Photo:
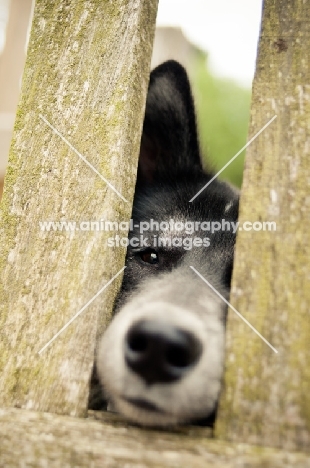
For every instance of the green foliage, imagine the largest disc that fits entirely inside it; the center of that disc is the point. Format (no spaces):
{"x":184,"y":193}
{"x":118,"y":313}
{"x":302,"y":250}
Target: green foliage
{"x":223,"y":110}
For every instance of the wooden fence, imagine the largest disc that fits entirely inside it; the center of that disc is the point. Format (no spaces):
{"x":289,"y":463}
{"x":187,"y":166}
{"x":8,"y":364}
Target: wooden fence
{"x":83,"y":96}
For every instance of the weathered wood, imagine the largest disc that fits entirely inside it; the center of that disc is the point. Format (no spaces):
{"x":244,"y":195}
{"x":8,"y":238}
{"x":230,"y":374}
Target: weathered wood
{"x":54,"y":441}
{"x":267,"y":396}
{"x":86,"y":73}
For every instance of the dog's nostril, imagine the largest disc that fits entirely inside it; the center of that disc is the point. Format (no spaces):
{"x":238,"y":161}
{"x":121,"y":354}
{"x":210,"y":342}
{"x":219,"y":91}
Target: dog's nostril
{"x":160,"y":352}
{"x":137,"y":342}
{"x":178,"y":356}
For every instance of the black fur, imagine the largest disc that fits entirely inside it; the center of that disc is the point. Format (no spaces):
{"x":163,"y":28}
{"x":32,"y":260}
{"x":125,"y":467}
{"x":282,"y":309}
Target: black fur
{"x":170,"y":173}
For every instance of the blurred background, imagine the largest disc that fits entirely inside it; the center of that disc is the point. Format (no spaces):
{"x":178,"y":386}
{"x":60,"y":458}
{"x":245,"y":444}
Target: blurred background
{"x":215,"y":40}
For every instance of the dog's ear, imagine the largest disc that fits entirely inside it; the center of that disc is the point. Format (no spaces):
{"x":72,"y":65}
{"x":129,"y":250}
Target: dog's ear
{"x":169,"y":141}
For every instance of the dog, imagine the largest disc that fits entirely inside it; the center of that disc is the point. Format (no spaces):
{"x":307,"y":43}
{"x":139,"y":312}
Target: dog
{"x":161,"y":360}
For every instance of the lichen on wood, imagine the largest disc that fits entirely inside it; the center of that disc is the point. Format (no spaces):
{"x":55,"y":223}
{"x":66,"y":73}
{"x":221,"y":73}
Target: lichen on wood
{"x":106,"y":441}
{"x":267,"y":395}
{"x":86,"y":73}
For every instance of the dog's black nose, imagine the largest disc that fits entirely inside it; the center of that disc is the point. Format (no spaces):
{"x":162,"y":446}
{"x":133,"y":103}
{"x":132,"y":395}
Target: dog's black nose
{"x":159,"y":352}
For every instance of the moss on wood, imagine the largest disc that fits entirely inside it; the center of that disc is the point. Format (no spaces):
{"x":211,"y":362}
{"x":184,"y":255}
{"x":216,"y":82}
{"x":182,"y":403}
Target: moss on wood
{"x":267,"y":395}
{"x":87,"y":73}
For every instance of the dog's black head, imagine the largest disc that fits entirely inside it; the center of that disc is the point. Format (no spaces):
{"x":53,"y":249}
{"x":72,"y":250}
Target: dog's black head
{"x":161,"y":360}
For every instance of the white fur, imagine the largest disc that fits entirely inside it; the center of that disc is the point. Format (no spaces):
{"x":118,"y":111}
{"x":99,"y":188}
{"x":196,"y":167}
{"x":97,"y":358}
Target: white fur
{"x":195,"y":395}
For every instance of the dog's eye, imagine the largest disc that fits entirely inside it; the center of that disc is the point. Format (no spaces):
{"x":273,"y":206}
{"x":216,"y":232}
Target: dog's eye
{"x":149,"y":256}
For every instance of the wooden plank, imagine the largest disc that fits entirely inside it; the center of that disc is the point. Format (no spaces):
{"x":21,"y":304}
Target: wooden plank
{"x":36,"y":440}
{"x":86,"y":75}
{"x":267,"y":395}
